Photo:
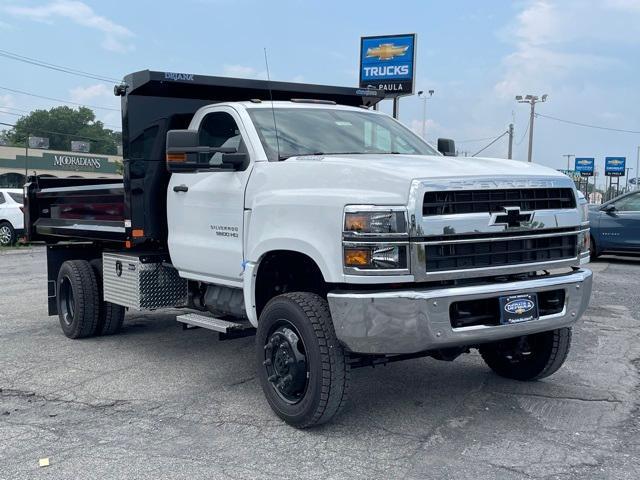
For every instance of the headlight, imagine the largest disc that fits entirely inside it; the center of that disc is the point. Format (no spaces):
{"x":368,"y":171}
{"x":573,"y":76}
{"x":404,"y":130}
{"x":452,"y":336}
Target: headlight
{"x":375,"y":240}
{"x":380,"y":256}
{"x":584,"y":241}
{"x":373,"y":220}
{"x":585,"y":212}
{"x":583,"y":207}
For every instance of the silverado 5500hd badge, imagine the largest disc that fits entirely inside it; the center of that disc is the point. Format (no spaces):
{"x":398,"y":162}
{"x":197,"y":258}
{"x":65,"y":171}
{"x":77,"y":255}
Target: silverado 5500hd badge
{"x":225,"y":230}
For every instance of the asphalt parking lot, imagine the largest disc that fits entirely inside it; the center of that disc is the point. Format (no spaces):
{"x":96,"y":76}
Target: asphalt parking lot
{"x":158,"y":402}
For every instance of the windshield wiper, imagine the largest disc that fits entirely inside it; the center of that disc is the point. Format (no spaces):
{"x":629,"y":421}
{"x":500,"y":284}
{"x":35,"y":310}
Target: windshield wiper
{"x":284,"y":157}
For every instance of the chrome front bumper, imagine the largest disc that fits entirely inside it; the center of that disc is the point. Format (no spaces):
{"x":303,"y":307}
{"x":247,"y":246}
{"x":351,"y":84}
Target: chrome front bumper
{"x":409,"y":321}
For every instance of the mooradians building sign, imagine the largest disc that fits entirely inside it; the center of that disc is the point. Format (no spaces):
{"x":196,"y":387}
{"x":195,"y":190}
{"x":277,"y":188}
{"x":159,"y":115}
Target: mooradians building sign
{"x":74,"y":161}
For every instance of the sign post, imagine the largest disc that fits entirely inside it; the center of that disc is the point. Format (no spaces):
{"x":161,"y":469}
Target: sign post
{"x":584,"y":166}
{"x":614,"y":168}
{"x":387,"y":62}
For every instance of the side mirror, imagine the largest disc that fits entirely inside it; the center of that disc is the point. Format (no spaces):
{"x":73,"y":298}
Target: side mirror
{"x":182,"y":150}
{"x":236,"y":160}
{"x":182,"y":140}
{"x":447,"y":147}
{"x":185,"y":154}
{"x":609,"y":208}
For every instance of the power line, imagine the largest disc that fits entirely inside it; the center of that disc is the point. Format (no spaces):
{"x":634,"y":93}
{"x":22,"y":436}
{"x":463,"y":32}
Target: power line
{"x":57,"y":99}
{"x":524,"y":134}
{"x":13,"y":108}
{"x":494,"y":141}
{"x":3,"y":107}
{"x":39,"y":130}
{"x":586,"y":124}
{"x":59,"y":68}
{"x":476,"y":139}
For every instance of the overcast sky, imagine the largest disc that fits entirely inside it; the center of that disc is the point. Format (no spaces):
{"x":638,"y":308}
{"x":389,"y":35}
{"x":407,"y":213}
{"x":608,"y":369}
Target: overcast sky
{"x":585,"y":54}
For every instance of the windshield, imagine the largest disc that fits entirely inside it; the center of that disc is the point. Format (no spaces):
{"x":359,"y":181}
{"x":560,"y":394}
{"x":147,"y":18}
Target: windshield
{"x":318,"y":131}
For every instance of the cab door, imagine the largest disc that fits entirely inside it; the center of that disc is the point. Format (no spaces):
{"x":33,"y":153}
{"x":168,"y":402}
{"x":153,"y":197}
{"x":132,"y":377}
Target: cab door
{"x":205,"y":210}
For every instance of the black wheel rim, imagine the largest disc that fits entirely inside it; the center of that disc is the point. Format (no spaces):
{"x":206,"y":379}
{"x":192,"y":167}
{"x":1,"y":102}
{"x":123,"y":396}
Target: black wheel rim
{"x":285,"y":362}
{"x":66,"y":301}
{"x":523,"y":349}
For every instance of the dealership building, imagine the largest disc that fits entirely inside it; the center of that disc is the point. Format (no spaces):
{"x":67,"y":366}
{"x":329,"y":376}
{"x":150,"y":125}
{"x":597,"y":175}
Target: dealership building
{"x":15,"y":161}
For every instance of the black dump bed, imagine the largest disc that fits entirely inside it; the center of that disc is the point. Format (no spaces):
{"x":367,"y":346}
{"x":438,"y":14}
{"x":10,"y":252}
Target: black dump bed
{"x":152,"y":103}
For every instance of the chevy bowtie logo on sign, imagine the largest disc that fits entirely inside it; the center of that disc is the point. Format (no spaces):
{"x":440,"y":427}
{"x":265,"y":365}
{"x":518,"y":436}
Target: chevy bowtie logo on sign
{"x":387,"y":63}
{"x":614,"y":166}
{"x":585,"y":166}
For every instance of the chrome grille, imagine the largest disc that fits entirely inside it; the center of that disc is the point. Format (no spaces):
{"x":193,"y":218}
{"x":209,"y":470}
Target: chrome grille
{"x":460,"y":255}
{"x":453,"y":202}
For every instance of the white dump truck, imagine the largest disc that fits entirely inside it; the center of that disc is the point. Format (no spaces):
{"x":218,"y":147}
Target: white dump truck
{"x":329,"y":230}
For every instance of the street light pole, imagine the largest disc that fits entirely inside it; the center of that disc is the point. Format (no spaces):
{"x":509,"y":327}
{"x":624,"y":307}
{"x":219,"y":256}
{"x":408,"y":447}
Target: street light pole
{"x":531,"y":100}
{"x":423,"y":96}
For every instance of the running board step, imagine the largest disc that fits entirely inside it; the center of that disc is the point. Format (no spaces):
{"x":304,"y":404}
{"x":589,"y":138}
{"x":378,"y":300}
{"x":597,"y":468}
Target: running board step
{"x":225,"y":328}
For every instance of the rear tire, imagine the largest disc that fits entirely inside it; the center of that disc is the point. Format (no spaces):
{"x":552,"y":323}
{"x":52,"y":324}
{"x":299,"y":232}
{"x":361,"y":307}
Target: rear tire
{"x":78,"y":299}
{"x":528,"y":358}
{"x":111,"y":316}
{"x":302,"y":367}
{"x":7,"y":234}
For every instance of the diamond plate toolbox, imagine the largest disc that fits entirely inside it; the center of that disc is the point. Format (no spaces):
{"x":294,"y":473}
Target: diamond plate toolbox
{"x":142,"y":281}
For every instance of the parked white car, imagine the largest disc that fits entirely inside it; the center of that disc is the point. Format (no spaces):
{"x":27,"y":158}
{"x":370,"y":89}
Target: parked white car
{"x":11,"y":216}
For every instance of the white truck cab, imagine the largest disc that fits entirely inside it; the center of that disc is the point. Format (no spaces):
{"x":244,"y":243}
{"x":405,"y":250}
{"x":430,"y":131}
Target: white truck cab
{"x":332,"y":231}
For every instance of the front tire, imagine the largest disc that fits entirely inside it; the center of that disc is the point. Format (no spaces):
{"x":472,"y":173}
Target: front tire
{"x":531,"y":357}
{"x":78,"y":299}
{"x":7,"y":234}
{"x":593,"y":249}
{"x":302,"y":367}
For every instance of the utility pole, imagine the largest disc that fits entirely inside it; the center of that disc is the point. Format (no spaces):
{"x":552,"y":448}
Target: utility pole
{"x":568,"y":155}
{"x":638,"y":170}
{"x":510,"y":153}
{"x":423,"y":96}
{"x":531,"y":100}
{"x":26,"y":157}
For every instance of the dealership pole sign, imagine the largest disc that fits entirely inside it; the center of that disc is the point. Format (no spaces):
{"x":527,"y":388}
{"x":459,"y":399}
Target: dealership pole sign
{"x":585,"y":166}
{"x":614,"y":166}
{"x":388,"y":63}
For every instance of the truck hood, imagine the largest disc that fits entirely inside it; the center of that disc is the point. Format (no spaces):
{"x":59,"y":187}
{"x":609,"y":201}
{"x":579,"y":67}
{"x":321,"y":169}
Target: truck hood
{"x":391,"y":175}
{"x":377,"y":179}
{"x":410,"y":167}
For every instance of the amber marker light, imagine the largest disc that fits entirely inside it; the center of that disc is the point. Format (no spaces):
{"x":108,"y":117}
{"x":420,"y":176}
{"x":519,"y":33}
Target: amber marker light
{"x":176,"y":157}
{"x":357,"y":257}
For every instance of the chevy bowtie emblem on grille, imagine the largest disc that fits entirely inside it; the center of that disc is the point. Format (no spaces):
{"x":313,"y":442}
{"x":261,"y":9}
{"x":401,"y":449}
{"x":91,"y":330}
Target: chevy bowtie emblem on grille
{"x":511,"y":218}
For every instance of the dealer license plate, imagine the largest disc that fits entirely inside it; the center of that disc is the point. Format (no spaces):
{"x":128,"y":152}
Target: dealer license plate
{"x":518,"y":308}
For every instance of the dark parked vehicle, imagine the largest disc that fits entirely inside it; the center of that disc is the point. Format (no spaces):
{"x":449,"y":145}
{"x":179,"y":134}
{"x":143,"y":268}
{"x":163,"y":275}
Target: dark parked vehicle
{"x":615,"y":225}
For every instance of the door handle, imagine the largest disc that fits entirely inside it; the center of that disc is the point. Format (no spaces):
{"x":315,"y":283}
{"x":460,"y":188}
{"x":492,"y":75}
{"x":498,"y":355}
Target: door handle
{"x":180,"y":188}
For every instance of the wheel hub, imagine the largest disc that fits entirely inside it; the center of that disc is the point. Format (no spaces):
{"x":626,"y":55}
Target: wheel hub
{"x":67,"y":302}
{"x":5,"y":235}
{"x":286,"y":364}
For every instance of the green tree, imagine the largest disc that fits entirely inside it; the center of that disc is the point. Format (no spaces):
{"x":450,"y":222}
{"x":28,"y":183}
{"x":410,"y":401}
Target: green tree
{"x":62,"y":125}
